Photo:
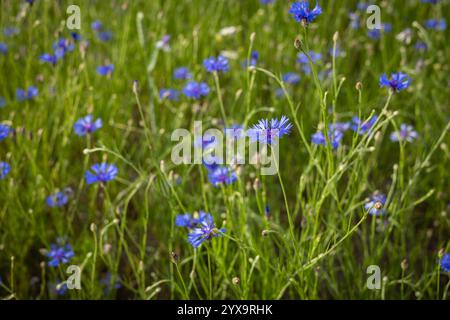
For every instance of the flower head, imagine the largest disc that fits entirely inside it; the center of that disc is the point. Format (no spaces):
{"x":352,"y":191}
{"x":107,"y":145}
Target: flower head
{"x":269,"y":132}
{"x":301,"y":12}
{"x":221,"y":175}
{"x":335,"y":137}
{"x":105,"y":70}
{"x":375,"y":204}
{"x":304,"y":62}
{"x":164,"y":44}
{"x":399,"y":81}
{"x":28,"y":94}
{"x":4,"y":131}
{"x":5,"y":168}
{"x":406,"y":133}
{"x":170,"y":94}
{"x":182,"y":73}
{"x":254,"y":56}
{"x":59,"y":198}
{"x":195,"y":90}
{"x":101,"y":172}
{"x":445,"y":262}
{"x":189,"y":221}
{"x":291,"y":78}
{"x":59,"y":254}
{"x":87,"y":125}
{"x":219,"y":64}
{"x":438,"y":25}
{"x":3,"y":48}
{"x":363,"y":127}
{"x":205,"y":231}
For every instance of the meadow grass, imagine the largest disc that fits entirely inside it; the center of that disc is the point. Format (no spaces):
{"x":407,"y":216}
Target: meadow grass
{"x":317,"y":240}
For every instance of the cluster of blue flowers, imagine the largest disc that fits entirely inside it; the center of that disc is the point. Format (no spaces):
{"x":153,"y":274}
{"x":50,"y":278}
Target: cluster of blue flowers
{"x":102,"y":33}
{"x":201,"y":227}
{"x":60,"y":49}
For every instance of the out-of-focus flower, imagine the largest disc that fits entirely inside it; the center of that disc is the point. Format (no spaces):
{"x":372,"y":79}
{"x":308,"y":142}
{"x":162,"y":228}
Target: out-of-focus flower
{"x":182,"y":73}
{"x":438,"y":25}
{"x":195,"y":90}
{"x":5,"y":168}
{"x":363,"y":127}
{"x":291,"y":78}
{"x":27,"y":94}
{"x":169,"y":94}
{"x":406,"y":133}
{"x":105,"y":70}
{"x":375,"y":204}
{"x":164,"y":44}
{"x":219,"y":64}
{"x":59,"y":198}
{"x":4,"y":131}
{"x":335,"y":137}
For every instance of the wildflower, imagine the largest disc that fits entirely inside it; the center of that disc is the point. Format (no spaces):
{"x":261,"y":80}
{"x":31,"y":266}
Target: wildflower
{"x":163,"y":44}
{"x":354,"y":20}
{"x":254,"y":56}
{"x":222,"y":175}
{"x":182,"y":73}
{"x":5,"y":168}
{"x":2,"y":102}
{"x":10,"y":31}
{"x":58,"y":288}
{"x":219,"y":64}
{"x":62,"y":46}
{"x":195,"y":90}
{"x":374,"y":34}
{"x":304,"y":62}
{"x":375,"y":204}
{"x":205,"y":142}
{"x":59,"y":254}
{"x":105,"y":35}
{"x":362,"y":6}
{"x":301,"y":12}
{"x":170,"y":94}
{"x":59,"y":199}
{"x":291,"y":78}
{"x":406,"y":133}
{"x":76,"y":36}
{"x":105,"y":70}
{"x":4,"y":131}
{"x":266,"y":1}
{"x":46,"y":57}
{"x":191,"y":221}
{"x":101,"y":172}
{"x":205,"y":231}
{"x":445,"y":262}
{"x":335,"y":137}
{"x":398,"y":82}
{"x":364,"y":127}
{"x":340,"y":126}
{"x":420,"y":46}
{"x":107,"y":284}
{"x":269,"y":132}
{"x":96,"y":25}
{"x":28,"y":94}
{"x":433,"y":24}
{"x":87,"y":125}
{"x":3,"y":48}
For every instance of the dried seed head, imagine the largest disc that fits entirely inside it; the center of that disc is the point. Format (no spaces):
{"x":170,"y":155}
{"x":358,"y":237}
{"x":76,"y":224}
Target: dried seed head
{"x":236,"y":281}
{"x":265,"y":233}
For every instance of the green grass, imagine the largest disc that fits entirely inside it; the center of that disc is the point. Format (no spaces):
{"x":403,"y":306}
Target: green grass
{"x":318,"y":241}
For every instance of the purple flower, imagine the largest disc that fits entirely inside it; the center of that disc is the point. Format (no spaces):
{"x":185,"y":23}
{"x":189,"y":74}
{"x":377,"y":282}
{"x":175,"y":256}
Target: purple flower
{"x":354,"y":20}
{"x":406,"y":133}
{"x":182,"y":73}
{"x":303,"y":60}
{"x":375,"y":204}
{"x":96,"y":25}
{"x":399,"y":81}
{"x":101,"y":172}
{"x":253,"y":60}
{"x":163,"y":44}
{"x":222,"y":175}
{"x":3,"y":48}
{"x":105,"y":70}
{"x":364,"y":127}
{"x":269,"y":132}
{"x":59,"y":199}
{"x":170,"y":94}
{"x":87,"y":125}
{"x":189,"y":221}
{"x":291,"y":78}
{"x":205,"y":231}
{"x":60,"y":254}
{"x":195,"y":90}
{"x":4,"y":131}
{"x":335,"y":137}
{"x":219,"y":64}
{"x":5,"y":168}
{"x":301,"y":12}
{"x":28,"y":94}
{"x":433,"y":24}
{"x":445,"y":262}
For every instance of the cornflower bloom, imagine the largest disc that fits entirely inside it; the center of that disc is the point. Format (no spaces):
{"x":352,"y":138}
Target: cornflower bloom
{"x":375,"y":204}
{"x":399,"y":81}
{"x":269,"y":132}
{"x":302,"y":13}
{"x":101,"y":172}
{"x":60,"y":254}
{"x":219,"y":64}
{"x":205,"y":231}
{"x":406,"y":133}
{"x":195,"y":90}
{"x":87,"y":125}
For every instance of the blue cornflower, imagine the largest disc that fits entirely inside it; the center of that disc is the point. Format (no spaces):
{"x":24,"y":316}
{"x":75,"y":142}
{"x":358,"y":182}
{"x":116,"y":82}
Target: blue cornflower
{"x":433,"y":24}
{"x":96,"y":25}
{"x":76,"y":36}
{"x":269,"y":132}
{"x":62,"y":46}
{"x":106,"y":283}
{"x":375,"y":204}
{"x":59,"y":198}
{"x":50,"y":58}
{"x":164,"y":44}
{"x":291,"y":78}
{"x":221,"y":175}
{"x":399,"y":81}
{"x":266,"y":1}
{"x":335,"y":137}
{"x":364,"y":127}
{"x":189,"y":221}
{"x":420,"y":46}
{"x":101,"y":172}
{"x":340,"y":126}
{"x":219,"y":64}
{"x":374,"y":34}
{"x":105,"y":70}
{"x":105,"y":35}
{"x":59,"y":254}
{"x":28,"y":94}
{"x":445,"y":262}
{"x":5,"y":168}
{"x":354,"y":20}
{"x":87,"y":125}
{"x":205,"y":142}
{"x":195,"y":90}
{"x":182,"y":73}
{"x":170,"y":94}
{"x":3,"y":48}
{"x":204,"y":232}
{"x":2,"y":102}
{"x":362,"y":6}
{"x":10,"y":31}
{"x":4,"y":131}
{"x":303,"y":60}
{"x":301,"y":12}
{"x":406,"y":133}
{"x":254,"y":56}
